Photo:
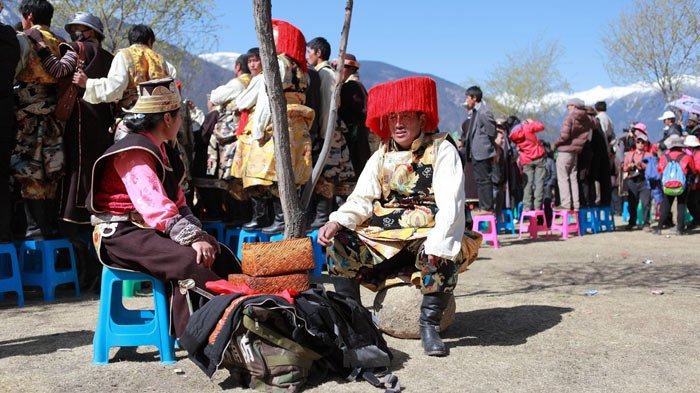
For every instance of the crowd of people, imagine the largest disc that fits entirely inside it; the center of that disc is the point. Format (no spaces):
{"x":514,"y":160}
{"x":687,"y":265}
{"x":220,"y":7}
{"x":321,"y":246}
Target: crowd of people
{"x":507,"y":164}
{"x":94,"y":139}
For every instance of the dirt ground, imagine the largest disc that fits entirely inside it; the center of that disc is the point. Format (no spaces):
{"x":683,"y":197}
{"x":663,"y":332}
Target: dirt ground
{"x":523,"y":324}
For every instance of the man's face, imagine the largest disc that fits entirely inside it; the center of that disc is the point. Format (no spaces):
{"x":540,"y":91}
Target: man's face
{"x":471,"y":102}
{"x":570,"y":108}
{"x":347,"y":71}
{"x":691,"y":123}
{"x":254,"y":64}
{"x":405,"y":127}
{"x":313,"y":56}
{"x":77,"y":31}
{"x":668,"y":122}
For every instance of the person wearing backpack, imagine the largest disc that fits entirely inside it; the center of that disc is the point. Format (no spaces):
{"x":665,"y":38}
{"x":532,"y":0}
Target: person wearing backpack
{"x":633,"y":167}
{"x":674,"y":166}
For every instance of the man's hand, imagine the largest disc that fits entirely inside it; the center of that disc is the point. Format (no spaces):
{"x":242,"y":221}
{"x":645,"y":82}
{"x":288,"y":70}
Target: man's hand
{"x":34,"y":36}
{"x":80,"y":79}
{"x":327,"y":232}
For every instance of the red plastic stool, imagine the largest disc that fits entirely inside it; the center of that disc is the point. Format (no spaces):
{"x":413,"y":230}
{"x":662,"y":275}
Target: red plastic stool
{"x":531,"y":226}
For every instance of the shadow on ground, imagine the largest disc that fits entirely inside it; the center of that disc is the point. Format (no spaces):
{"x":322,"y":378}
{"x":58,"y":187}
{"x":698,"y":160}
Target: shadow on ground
{"x":603,"y":274}
{"x":502,"y":326}
{"x":39,"y":345}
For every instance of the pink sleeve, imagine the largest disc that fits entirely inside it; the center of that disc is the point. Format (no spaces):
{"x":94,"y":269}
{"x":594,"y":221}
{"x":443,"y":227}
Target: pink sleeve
{"x":136,"y":168}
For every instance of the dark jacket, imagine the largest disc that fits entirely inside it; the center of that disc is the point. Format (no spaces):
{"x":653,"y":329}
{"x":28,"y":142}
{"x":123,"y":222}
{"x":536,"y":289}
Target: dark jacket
{"x":574,"y":131}
{"x":479,"y":133}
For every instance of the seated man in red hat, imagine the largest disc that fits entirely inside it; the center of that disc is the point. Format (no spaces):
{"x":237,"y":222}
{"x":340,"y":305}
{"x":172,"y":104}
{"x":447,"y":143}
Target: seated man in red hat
{"x":406,"y":214}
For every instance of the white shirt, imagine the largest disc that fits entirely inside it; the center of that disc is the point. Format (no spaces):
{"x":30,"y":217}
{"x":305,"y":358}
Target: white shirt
{"x":327,"y":76}
{"x":111,"y":88}
{"x":445,"y":239}
{"x":227,"y":92}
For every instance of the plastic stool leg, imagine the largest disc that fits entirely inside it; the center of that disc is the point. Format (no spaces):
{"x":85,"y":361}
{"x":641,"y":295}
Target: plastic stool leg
{"x":100,"y":346}
{"x":167,"y":344}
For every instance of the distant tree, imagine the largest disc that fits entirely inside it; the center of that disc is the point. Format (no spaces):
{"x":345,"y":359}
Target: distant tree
{"x":656,"y":41}
{"x":185,"y":24}
{"x":518,"y":86}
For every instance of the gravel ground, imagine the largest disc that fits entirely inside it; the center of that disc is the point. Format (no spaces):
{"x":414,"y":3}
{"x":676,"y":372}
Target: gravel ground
{"x":523,"y":324}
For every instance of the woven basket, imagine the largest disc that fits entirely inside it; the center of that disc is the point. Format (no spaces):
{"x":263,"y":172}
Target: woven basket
{"x":263,"y":259}
{"x":272,"y":284}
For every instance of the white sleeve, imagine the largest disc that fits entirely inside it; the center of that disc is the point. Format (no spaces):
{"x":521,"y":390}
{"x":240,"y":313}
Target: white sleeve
{"x":445,"y":239}
{"x":327,"y":87}
{"x":249,"y":97}
{"x":358,"y":207}
{"x":172,"y":72}
{"x":227,"y":92}
{"x":111,"y":88}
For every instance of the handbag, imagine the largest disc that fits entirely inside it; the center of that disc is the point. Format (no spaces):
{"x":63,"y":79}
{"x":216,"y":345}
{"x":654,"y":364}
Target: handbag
{"x":64,"y":107}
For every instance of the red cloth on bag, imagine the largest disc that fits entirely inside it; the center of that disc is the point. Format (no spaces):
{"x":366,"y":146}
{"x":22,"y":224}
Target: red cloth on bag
{"x":225,"y":287}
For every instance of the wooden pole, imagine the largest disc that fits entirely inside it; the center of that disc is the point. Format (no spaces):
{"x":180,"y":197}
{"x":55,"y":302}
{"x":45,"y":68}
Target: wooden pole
{"x":330,"y":128}
{"x":294,"y":216}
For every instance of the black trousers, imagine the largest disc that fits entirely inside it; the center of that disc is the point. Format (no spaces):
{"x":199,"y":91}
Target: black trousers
{"x":7,"y":141}
{"x":483,"y":172}
{"x":638,"y":191}
{"x":694,"y":205}
{"x":680,"y":210}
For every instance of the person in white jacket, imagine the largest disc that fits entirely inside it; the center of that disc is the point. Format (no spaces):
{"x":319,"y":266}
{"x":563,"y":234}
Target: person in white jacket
{"x":406,"y":216}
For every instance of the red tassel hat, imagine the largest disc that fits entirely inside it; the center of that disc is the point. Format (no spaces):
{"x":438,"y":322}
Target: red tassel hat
{"x":417,"y":94}
{"x":290,"y":41}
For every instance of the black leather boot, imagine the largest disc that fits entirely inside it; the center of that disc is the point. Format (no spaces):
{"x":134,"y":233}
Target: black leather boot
{"x":347,"y":287}
{"x":323,"y":210}
{"x":430,"y":315}
{"x":259,"y":214}
{"x":277,"y":225}
{"x":41,"y":219}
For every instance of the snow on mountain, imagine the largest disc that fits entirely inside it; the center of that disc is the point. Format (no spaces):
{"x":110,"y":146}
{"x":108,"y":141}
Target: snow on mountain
{"x":222,"y":59}
{"x":638,"y":102}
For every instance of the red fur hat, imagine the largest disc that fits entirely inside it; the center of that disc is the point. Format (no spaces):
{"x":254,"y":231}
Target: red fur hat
{"x":417,"y":93}
{"x":290,"y":41}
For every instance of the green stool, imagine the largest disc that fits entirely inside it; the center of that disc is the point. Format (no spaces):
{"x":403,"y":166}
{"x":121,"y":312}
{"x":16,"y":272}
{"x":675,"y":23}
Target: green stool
{"x":129,"y":287}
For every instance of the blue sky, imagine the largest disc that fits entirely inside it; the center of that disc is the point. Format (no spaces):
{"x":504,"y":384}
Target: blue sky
{"x":457,"y":40}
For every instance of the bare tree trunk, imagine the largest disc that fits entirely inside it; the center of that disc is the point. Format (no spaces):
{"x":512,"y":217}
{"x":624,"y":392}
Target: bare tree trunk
{"x":330,"y":128}
{"x":294,"y":216}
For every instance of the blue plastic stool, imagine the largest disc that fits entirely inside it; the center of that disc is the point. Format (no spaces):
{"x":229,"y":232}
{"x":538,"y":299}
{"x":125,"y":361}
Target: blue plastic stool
{"x":588,"y":219}
{"x":216,"y":229}
{"x":47,"y":277}
{"x":230,"y":235}
{"x":13,"y":282}
{"x":319,"y":256}
{"x":250,"y":236}
{"x":606,"y":221}
{"x":625,"y":212}
{"x":505,"y":221}
{"x":119,"y":327}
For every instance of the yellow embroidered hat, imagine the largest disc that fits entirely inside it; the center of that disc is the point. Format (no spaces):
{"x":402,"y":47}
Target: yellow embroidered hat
{"x":157,"y":96}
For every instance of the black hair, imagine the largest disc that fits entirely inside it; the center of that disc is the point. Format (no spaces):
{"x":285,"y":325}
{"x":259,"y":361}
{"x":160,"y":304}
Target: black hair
{"x":511,"y":122}
{"x":320,"y":44}
{"x":41,"y":10}
{"x":601,"y":106}
{"x":141,"y":34}
{"x":139,"y":122}
{"x":475,"y":91}
{"x":253,"y":52}
{"x":242,"y":62}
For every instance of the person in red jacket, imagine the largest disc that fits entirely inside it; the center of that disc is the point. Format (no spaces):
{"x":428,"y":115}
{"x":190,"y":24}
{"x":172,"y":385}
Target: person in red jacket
{"x":532,"y":160}
{"x":675,"y":152}
{"x":693,"y":145}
